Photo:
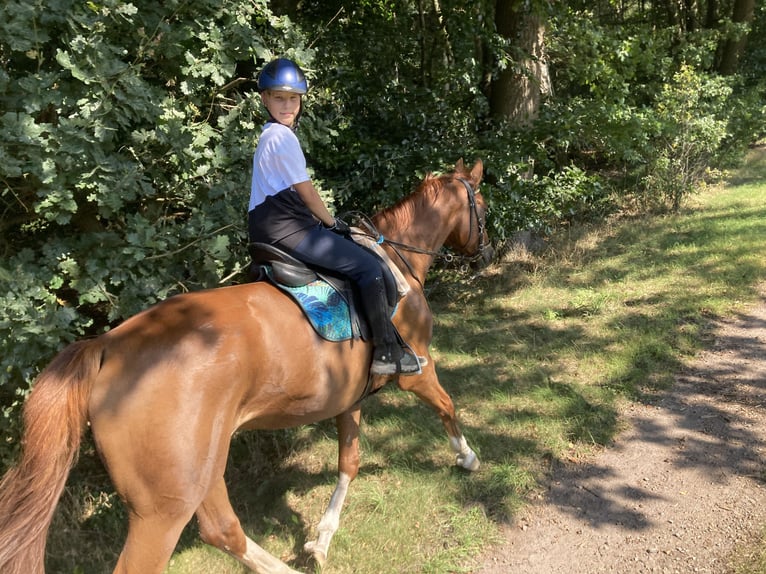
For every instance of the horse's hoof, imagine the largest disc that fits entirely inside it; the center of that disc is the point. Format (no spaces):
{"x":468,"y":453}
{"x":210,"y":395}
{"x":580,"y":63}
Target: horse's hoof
{"x":320,"y":556}
{"x":469,"y":462}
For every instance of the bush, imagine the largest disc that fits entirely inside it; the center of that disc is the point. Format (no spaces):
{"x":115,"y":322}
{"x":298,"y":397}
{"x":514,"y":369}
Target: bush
{"x":691,"y":119}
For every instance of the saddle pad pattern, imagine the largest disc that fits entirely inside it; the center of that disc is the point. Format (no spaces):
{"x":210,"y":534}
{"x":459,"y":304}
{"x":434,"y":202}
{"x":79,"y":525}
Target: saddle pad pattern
{"x":325,"y":308}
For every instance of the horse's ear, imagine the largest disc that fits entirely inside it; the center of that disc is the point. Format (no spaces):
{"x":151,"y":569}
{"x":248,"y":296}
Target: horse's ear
{"x":459,"y":166}
{"x":477,"y":171}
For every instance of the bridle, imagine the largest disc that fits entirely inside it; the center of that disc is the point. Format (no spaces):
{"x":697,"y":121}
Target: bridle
{"x":447,"y":257}
{"x":479,"y":222}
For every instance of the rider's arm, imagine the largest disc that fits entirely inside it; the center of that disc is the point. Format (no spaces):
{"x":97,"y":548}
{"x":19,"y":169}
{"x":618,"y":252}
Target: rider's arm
{"x":311,"y":198}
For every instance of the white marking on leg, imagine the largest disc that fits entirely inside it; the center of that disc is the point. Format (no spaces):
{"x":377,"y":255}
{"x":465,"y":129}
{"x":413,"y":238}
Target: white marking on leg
{"x":257,"y":559}
{"x":465,"y":456}
{"x":330,"y":520}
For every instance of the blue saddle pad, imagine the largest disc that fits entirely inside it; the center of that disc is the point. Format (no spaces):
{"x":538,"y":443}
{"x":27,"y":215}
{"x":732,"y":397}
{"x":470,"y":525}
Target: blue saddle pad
{"x":326,"y":309}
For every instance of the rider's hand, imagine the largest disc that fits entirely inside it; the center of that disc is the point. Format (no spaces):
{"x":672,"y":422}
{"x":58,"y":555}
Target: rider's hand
{"x":340,"y":227}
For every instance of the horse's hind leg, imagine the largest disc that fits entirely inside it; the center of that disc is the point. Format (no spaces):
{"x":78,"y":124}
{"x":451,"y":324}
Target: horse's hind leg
{"x":150,"y":543}
{"x":159,"y":503}
{"x":428,"y":389}
{"x":220,"y":527}
{"x":348,"y":468}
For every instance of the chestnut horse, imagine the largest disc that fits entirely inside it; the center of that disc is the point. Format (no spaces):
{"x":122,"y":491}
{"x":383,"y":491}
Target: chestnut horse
{"x":165,"y":391}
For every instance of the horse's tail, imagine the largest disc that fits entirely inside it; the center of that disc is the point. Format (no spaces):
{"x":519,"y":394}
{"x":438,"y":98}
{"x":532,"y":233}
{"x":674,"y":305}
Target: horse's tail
{"x":54,"y":419}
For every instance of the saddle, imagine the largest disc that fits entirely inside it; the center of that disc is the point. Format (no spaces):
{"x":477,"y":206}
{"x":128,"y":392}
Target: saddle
{"x":328,"y":300}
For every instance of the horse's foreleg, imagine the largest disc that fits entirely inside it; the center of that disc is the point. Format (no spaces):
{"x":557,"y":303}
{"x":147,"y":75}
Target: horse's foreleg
{"x":348,"y":468}
{"x":464,"y":454}
{"x":220,"y":527}
{"x":428,"y":389}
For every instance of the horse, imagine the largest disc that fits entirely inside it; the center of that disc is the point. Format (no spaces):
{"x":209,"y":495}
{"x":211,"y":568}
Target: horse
{"x":165,"y":391}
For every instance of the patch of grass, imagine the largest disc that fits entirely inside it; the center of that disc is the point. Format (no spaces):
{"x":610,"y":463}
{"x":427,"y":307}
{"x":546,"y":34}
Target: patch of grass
{"x":540,"y":355}
{"x":750,"y":559}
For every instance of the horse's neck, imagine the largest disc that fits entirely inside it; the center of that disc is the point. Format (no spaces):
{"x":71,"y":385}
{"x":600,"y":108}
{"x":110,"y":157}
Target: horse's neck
{"x":418,"y":232}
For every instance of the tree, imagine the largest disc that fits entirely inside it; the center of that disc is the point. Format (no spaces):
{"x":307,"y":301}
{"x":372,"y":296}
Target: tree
{"x":523,"y":78}
{"x":735,"y":41}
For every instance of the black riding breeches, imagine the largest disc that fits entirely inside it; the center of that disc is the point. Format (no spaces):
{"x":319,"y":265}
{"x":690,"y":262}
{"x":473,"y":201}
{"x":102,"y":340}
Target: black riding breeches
{"x":326,"y":249}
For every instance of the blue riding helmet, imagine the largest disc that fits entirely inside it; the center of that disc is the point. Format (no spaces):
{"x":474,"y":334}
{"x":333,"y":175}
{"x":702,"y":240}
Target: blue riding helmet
{"x":283,"y":75}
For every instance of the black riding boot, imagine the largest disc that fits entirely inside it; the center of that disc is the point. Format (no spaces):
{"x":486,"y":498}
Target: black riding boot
{"x":389,"y":356}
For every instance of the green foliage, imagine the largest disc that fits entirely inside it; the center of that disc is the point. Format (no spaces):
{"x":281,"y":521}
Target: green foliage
{"x":690,"y":119}
{"x":753,"y":67}
{"x":396,"y":108}
{"x":610,"y":74}
{"x":526,"y":197}
{"x":643,"y":105}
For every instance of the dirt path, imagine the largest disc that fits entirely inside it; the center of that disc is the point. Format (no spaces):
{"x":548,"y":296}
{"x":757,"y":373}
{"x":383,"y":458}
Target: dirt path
{"x":677,"y":493}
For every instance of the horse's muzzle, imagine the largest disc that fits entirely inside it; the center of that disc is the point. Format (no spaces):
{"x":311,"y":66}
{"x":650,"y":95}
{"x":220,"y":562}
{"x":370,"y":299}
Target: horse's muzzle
{"x":484,"y":257}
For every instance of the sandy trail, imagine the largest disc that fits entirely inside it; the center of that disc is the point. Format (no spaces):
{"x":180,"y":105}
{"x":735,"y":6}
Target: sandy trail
{"x":679,"y":492}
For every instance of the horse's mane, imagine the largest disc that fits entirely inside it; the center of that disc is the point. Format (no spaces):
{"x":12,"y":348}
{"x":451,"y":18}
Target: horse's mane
{"x":426,"y":193}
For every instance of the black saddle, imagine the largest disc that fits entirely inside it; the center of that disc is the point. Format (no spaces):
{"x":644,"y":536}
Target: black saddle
{"x":292,"y":272}
{"x":286,"y":269}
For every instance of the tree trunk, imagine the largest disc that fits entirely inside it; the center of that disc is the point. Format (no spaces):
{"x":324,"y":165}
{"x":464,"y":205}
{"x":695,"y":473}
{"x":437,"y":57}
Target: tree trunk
{"x":711,"y":15}
{"x":691,"y":9}
{"x":518,"y":90}
{"x":734,"y":45}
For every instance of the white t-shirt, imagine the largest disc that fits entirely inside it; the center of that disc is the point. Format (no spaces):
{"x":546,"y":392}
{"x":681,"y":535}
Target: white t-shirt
{"x":278,"y":163}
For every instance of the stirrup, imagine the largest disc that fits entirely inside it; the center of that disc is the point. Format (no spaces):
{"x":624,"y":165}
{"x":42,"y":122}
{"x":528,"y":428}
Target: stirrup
{"x":408,"y":364}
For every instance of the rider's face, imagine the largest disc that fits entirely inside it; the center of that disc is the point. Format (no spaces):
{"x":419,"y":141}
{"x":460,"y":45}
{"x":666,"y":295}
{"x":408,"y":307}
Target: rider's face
{"x":283,"y":106}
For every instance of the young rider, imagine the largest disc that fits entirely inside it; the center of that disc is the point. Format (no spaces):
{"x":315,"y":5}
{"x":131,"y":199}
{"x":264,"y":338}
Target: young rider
{"x":286,"y":211}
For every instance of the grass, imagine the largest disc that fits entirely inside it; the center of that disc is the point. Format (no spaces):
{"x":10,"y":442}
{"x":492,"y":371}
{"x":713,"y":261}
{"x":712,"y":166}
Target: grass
{"x":751,"y":559}
{"x":540,"y":354}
